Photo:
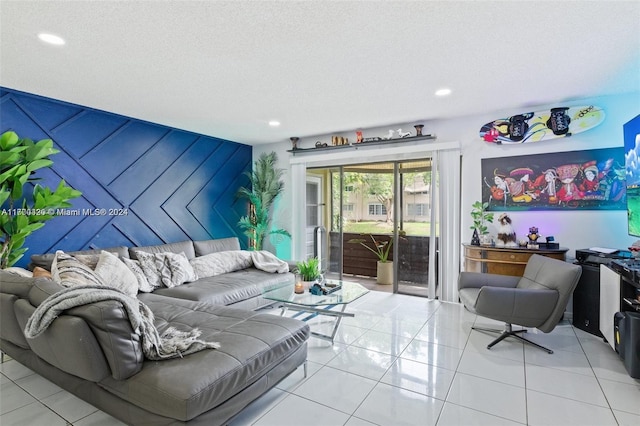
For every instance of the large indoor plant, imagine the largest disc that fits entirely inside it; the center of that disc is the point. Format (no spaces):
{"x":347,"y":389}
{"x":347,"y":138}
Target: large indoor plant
{"x":381,"y":249}
{"x":480,"y":218}
{"x":22,"y":212}
{"x":266,"y":185}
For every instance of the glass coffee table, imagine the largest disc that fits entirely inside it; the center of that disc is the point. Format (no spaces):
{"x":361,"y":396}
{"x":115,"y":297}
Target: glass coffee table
{"x":312,"y":305}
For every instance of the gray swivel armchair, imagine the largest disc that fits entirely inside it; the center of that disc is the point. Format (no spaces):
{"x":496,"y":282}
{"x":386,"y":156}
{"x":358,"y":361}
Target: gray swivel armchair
{"x":537,"y":299}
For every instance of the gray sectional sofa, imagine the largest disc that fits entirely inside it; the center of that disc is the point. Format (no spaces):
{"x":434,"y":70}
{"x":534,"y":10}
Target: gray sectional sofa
{"x":93,"y":352}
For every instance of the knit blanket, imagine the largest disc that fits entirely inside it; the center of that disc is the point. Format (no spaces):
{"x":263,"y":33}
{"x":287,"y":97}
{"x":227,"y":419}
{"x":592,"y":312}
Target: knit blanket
{"x":172,"y":343}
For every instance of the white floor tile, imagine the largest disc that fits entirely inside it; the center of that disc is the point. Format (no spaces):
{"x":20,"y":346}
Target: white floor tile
{"x":69,"y":406}
{"x":322,"y":351}
{"x":622,"y":396}
{"x":444,"y":336}
{"x":492,"y":367}
{"x":259,"y":408}
{"x":378,"y":341}
{"x":355,"y":421}
{"x":560,"y":339}
{"x":572,"y":362}
{"x":14,"y":370}
{"x":456,"y":415}
{"x":430,"y":353}
{"x":389,"y":405}
{"x":336,"y":389}
{"x":99,"y":418}
{"x":609,"y":366}
{"x":488,"y":396}
{"x":13,"y":397}
{"x":398,"y":327}
{"x":418,"y":377}
{"x":508,"y":348}
{"x":297,"y":378}
{"x":626,"y":419}
{"x":38,"y":386}
{"x":298,"y":411}
{"x":561,"y":383}
{"x":544,"y":409}
{"x":32,"y":414}
{"x":363,"y":362}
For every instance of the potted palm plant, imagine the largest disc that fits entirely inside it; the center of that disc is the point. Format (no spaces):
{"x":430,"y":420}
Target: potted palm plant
{"x":22,"y":212}
{"x":266,"y":185}
{"x":381,"y":249}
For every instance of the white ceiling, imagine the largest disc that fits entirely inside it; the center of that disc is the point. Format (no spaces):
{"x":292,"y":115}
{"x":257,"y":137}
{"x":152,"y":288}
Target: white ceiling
{"x":226,"y":68}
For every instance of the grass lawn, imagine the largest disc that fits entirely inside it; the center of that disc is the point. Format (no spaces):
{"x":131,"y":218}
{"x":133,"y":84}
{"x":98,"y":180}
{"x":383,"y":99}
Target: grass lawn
{"x":411,"y":228}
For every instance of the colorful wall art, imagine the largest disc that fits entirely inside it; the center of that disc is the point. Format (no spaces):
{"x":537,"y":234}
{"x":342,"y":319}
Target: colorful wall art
{"x":585,"y":180}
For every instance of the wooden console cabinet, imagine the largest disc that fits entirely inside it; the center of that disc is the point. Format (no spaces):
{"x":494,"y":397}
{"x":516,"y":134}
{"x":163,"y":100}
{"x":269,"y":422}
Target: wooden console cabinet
{"x":504,"y":261}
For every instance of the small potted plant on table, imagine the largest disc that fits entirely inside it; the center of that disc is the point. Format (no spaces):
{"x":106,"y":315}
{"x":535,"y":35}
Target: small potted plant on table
{"x":309,"y":271}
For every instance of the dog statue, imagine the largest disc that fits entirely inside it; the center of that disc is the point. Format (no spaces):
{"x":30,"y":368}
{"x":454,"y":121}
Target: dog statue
{"x":390,"y":134}
{"x":402,"y":134}
{"x":506,"y":233}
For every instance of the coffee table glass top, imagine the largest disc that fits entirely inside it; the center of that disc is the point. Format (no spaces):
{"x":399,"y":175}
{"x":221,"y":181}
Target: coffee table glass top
{"x":349,"y":292}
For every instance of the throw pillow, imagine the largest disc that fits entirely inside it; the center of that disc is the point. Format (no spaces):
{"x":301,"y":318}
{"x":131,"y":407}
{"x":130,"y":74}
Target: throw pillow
{"x":70,"y":272}
{"x":148,"y":264}
{"x":19,"y":271}
{"x":220,"y":263}
{"x":174,"y":269}
{"x":116,"y":274}
{"x":39,"y":272}
{"x":143,"y":283}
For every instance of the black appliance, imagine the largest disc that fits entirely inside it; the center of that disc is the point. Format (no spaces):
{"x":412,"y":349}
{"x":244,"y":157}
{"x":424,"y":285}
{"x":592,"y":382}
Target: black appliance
{"x":586,"y":296}
{"x":627,"y":341}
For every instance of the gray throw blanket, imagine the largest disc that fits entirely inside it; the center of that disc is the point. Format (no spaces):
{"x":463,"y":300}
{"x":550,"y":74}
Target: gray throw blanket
{"x":172,"y":343}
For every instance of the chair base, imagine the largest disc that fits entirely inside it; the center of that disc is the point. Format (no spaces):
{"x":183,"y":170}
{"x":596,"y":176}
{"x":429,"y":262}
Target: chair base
{"x":509,"y":332}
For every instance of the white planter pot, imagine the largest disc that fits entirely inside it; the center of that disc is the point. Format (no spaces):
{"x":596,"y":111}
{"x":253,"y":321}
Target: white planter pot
{"x":385,"y":273}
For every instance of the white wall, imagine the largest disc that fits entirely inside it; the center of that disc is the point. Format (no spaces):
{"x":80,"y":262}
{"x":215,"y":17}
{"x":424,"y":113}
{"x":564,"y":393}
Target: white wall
{"x":572,"y":229}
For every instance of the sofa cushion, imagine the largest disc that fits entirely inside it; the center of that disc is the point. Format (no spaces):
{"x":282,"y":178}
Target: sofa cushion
{"x":229,"y":288}
{"x":251,"y":344}
{"x":45,"y":260}
{"x":185,"y":247}
{"x":143,"y":283}
{"x":174,"y":269}
{"x":213,"y":246}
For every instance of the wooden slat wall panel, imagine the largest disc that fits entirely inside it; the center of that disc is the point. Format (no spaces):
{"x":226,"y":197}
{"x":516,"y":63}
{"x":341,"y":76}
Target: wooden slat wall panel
{"x":176,"y":185}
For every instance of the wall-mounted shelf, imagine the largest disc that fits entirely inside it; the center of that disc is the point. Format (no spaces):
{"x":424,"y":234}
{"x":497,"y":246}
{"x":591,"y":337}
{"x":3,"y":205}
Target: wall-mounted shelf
{"x":356,"y":146}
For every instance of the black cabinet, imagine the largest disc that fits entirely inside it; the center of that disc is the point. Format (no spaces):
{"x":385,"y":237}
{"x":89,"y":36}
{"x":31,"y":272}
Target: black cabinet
{"x":586,"y":301}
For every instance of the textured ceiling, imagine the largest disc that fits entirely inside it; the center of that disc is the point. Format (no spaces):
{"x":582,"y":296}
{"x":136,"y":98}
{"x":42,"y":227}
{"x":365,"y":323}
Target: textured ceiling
{"x":226,"y":68}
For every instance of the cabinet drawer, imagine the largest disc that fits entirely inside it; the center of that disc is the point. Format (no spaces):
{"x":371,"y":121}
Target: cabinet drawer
{"x":473,"y":253}
{"x":508,"y":256}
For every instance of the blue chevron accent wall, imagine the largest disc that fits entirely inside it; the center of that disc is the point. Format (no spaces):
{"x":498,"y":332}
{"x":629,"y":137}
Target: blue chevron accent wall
{"x":173,"y":185}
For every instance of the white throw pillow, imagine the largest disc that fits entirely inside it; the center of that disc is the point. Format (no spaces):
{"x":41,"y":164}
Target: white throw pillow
{"x":116,"y":274}
{"x":222,"y":262}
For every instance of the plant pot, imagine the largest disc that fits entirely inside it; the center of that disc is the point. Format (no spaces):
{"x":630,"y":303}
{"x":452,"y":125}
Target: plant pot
{"x":308,"y":284}
{"x":385,"y":273}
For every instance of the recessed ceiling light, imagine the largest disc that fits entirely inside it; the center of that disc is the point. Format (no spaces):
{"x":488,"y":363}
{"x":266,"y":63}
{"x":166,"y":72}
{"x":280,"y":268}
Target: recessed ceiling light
{"x":51,"y":39}
{"x":443,"y":92}
{"x":274,"y":123}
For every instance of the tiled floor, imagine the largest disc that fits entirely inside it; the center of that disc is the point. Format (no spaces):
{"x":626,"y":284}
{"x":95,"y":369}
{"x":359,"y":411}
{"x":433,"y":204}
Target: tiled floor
{"x":404,"y":361}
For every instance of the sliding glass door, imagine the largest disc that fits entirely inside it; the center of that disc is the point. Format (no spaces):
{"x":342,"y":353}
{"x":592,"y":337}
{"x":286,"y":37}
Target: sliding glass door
{"x":382,"y":211}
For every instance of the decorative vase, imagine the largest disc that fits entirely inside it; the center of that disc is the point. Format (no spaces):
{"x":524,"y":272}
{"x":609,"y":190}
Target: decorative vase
{"x":294,"y":142}
{"x":475,"y":239}
{"x":385,"y":273}
{"x":419,"y":128}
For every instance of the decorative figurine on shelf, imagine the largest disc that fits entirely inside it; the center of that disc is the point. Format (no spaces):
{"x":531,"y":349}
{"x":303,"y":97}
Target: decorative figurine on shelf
{"x":419,"y":128}
{"x":402,"y":134}
{"x":390,"y":134}
{"x":533,"y":238}
{"x":358,"y":136}
{"x":294,"y":142}
{"x":506,"y":234}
